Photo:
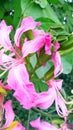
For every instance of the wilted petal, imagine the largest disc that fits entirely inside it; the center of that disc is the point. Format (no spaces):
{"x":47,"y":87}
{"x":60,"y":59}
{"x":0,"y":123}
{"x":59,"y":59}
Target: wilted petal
{"x":58,"y":68}
{"x":9,"y":114}
{"x":27,"y":24}
{"x":4,"y":35}
{"x":42,"y":125}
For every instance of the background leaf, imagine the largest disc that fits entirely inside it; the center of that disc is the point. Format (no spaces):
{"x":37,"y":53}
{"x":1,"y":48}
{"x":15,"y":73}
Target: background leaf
{"x":42,"y":3}
{"x":67,"y":62}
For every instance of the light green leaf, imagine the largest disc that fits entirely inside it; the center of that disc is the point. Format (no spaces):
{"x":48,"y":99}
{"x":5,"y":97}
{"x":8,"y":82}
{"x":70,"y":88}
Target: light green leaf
{"x":34,"y":10}
{"x":46,"y":23}
{"x":67,"y":62}
{"x":42,"y":3}
{"x":53,"y":1}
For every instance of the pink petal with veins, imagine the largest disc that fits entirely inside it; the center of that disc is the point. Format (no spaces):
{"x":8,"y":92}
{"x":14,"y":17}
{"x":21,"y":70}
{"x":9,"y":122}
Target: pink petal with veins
{"x":18,"y":76}
{"x":4,"y":35}
{"x":33,"y":45}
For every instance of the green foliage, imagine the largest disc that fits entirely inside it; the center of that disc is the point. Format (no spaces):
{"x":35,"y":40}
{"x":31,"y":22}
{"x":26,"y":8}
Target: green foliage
{"x":42,"y":3}
{"x":17,"y":13}
{"x":64,"y":11}
{"x":67,"y":61}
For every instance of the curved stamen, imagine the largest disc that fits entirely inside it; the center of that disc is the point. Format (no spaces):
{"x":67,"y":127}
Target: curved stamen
{"x":66,"y":102}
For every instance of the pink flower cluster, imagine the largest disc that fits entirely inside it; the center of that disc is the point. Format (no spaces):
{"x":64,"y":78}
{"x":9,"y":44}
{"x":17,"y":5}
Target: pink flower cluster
{"x":12,"y":59}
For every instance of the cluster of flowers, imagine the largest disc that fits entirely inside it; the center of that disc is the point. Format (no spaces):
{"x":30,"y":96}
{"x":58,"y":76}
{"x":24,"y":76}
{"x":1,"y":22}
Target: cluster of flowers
{"x":13,"y":59}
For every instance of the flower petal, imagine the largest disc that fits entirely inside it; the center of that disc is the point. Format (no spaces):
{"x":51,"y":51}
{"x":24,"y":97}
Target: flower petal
{"x":9,"y":114}
{"x":33,"y":45}
{"x":55,"y":83}
{"x":4,"y":35}
{"x":48,"y":44}
{"x":56,"y":46}
{"x":27,"y":24}
{"x":18,"y":76}
{"x":45,"y":99}
{"x":29,"y":94}
{"x":58,"y":68}
{"x":42,"y":125}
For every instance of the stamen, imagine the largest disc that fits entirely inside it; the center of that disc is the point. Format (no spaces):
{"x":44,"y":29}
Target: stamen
{"x":16,"y":52}
{"x":66,"y":102}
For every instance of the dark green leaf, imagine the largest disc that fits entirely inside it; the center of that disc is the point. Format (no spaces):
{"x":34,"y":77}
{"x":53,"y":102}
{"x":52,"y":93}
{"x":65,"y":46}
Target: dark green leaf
{"x":17,"y":13}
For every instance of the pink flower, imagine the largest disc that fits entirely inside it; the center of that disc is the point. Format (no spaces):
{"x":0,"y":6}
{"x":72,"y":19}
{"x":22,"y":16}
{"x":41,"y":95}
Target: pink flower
{"x":18,"y":77}
{"x":40,"y":38}
{"x":29,"y":46}
{"x":45,"y":99}
{"x":18,"y":80}
{"x":4,"y":35}
{"x":61,"y":108}
{"x":27,"y":24}
{"x":26,"y":96}
{"x":42,"y":125}
{"x":35,"y":44}
{"x":9,"y":115}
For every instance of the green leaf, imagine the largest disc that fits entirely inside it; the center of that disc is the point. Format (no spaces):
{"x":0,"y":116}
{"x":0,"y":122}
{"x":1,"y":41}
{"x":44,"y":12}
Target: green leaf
{"x":40,"y":86}
{"x":41,"y":71}
{"x":17,"y":13}
{"x":34,"y":10}
{"x":9,"y":20}
{"x":1,"y":12}
{"x":51,"y":14}
{"x":53,"y":1}
{"x":46,"y":23}
{"x":67,"y":62}
{"x":42,"y":3}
